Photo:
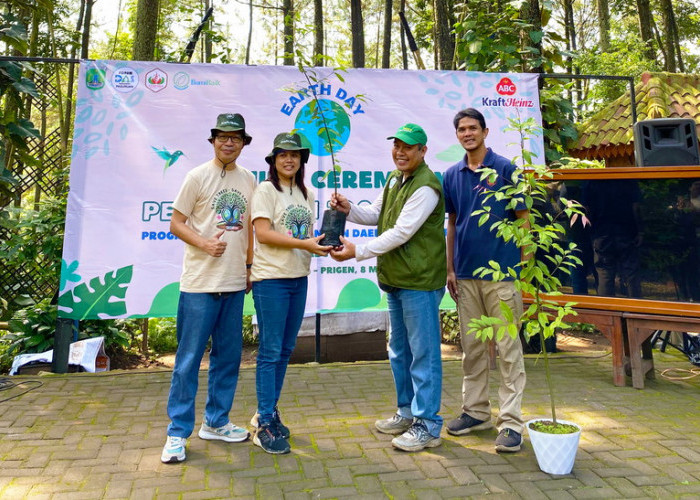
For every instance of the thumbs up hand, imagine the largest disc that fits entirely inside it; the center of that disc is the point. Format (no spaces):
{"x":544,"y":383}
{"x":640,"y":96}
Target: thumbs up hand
{"x":214,"y":246}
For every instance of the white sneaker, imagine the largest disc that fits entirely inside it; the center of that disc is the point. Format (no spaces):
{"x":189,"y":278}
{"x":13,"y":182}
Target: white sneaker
{"x":174,"y":450}
{"x":416,"y":438}
{"x":394,"y":425}
{"x":229,"y":433}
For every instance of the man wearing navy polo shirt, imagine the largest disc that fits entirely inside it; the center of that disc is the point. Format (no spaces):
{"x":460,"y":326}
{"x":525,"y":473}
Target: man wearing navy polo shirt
{"x":470,"y":246}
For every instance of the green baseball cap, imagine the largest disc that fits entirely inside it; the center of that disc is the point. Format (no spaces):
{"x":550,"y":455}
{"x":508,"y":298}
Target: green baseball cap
{"x":287,"y":142}
{"x":230,"y":122}
{"x":411,"y":134}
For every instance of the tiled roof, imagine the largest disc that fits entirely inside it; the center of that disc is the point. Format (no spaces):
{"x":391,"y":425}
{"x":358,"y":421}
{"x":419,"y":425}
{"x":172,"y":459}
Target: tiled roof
{"x":608,"y":133}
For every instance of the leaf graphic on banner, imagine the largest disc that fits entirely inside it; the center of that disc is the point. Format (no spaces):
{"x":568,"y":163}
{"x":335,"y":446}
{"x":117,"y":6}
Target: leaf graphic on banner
{"x":447,"y":302}
{"x":452,"y":154}
{"x":164,"y":304}
{"x":68,"y":273}
{"x":248,"y":304}
{"x":87,"y":302}
{"x":357,"y":295}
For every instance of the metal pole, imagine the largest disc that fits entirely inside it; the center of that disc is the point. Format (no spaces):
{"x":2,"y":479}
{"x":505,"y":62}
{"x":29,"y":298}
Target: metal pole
{"x":633,"y":100}
{"x":61,"y":345}
{"x":317,"y":355}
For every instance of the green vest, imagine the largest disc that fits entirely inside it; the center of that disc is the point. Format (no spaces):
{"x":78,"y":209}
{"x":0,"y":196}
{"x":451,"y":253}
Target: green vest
{"x":420,"y":263}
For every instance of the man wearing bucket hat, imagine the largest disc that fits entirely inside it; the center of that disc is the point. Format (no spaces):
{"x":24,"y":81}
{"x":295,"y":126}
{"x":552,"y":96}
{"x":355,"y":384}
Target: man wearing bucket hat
{"x":211,"y":214}
{"x":411,"y":268}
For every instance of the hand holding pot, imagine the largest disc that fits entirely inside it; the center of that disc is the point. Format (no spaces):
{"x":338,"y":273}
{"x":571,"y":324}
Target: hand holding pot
{"x":340,"y":203}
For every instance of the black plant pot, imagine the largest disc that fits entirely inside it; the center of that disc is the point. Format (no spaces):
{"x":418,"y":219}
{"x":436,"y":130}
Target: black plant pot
{"x":333,"y":226}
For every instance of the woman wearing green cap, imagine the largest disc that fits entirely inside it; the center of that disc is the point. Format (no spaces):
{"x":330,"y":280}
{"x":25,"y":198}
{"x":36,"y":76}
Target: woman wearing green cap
{"x":282,"y":214}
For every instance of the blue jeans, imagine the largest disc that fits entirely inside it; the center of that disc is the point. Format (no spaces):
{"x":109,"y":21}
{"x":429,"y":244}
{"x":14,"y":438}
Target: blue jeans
{"x":279,"y":304}
{"x":414,"y":354}
{"x":200,"y":316}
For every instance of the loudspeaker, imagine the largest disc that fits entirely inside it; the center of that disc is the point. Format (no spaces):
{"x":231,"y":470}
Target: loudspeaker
{"x":666,"y":142}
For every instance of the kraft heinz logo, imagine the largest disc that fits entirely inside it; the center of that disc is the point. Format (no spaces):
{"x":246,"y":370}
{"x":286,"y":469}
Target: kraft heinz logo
{"x":506,"y":86}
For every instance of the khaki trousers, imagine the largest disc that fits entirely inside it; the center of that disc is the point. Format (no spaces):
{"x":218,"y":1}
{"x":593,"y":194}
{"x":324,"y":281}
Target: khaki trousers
{"x":477,"y":298}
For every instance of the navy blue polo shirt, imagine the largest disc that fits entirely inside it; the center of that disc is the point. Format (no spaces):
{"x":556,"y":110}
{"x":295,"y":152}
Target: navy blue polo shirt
{"x":476,"y":245}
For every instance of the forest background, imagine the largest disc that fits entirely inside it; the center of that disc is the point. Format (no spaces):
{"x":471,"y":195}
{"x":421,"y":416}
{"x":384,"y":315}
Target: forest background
{"x":38,"y":38}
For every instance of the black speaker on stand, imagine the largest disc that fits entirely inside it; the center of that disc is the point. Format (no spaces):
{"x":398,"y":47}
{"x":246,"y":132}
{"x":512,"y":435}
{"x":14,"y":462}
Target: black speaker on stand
{"x":666,"y":142}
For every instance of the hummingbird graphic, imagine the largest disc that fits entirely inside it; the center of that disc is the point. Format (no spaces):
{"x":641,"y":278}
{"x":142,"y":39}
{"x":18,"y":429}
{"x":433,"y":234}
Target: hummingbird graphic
{"x":170,"y":158}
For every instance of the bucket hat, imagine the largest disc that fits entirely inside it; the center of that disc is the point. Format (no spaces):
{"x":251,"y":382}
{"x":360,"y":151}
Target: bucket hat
{"x":231,"y":122}
{"x":287,"y":142}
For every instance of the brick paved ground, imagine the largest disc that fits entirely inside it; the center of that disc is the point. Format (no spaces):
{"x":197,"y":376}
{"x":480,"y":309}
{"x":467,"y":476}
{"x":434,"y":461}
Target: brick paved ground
{"x":87,"y":436}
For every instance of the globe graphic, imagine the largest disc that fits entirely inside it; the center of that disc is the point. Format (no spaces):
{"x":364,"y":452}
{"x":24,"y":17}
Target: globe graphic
{"x":310,"y":125}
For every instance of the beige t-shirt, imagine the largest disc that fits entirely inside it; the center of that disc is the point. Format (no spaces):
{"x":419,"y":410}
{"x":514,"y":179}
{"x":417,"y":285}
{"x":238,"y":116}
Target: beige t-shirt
{"x":289,"y":214}
{"x":212,"y":203}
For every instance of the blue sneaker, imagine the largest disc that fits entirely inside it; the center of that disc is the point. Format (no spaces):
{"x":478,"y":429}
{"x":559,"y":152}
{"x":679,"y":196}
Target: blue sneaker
{"x":281,"y":429}
{"x":508,"y":441}
{"x":174,"y":450}
{"x":269,"y":439}
{"x":464,"y":424}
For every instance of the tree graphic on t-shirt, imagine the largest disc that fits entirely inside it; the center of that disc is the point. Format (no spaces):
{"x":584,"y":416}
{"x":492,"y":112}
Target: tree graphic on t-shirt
{"x":298,"y":222}
{"x":230,"y":208}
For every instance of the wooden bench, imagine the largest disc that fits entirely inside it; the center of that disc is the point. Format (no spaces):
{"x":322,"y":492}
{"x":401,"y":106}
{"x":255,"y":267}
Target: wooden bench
{"x":629,"y":324}
{"x":640,"y":328}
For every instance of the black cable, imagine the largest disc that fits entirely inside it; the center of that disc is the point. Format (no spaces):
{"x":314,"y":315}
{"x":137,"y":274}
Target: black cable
{"x":6,"y":384}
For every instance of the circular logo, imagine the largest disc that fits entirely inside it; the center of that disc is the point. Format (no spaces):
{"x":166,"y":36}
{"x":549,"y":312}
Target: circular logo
{"x":125,"y":79}
{"x":506,"y":86}
{"x":320,"y":120}
{"x":181,"y":80}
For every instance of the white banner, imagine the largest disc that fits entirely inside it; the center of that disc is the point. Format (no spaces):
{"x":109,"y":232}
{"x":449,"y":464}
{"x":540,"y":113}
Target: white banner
{"x":140,"y":126}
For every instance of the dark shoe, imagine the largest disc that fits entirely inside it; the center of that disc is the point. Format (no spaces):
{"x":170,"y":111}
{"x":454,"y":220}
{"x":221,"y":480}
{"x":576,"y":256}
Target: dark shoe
{"x":416,"y":438}
{"x":464,"y":424}
{"x":281,"y":428}
{"x":394,"y":425}
{"x":508,"y":440}
{"x":271,"y":441}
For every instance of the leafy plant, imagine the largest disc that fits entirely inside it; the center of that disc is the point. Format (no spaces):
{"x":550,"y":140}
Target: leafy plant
{"x":497,"y":39}
{"x":541,"y":234}
{"x":35,"y":242}
{"x":449,"y":327}
{"x":162,"y":335}
{"x":15,"y":129}
{"x":249,"y":336}
{"x":586,"y":328}
{"x":31,"y":328}
{"x":114,"y":335}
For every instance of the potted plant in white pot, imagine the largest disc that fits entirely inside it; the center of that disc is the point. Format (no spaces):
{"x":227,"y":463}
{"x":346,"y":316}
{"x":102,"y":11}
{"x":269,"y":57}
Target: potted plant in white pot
{"x":546,"y":254}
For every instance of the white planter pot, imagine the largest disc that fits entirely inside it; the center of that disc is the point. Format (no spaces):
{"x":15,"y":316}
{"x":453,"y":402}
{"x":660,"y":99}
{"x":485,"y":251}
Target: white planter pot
{"x":555,"y":452}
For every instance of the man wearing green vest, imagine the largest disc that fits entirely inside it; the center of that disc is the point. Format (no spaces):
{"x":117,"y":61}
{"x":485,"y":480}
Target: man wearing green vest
{"x":412,"y":270}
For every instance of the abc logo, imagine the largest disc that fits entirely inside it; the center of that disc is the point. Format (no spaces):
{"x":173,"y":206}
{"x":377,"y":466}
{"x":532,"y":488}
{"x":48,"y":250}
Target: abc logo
{"x":506,"y":86}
